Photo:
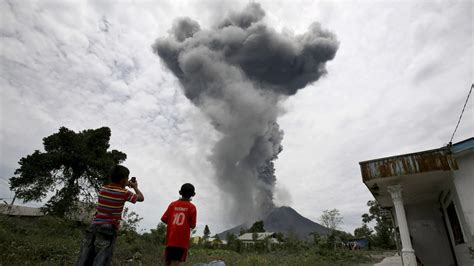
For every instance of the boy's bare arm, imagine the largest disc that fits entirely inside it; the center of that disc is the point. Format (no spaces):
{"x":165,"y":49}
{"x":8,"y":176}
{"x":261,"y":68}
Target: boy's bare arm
{"x":140,"y":196}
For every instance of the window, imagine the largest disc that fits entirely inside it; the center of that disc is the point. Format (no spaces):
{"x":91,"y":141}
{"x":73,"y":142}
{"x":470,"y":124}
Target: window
{"x":455,"y":225}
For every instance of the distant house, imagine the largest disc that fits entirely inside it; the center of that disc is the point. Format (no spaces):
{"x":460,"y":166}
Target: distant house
{"x":196,"y":240}
{"x":216,"y":241}
{"x":212,"y":241}
{"x":431,"y":194}
{"x":252,"y":238}
{"x":357,"y":243}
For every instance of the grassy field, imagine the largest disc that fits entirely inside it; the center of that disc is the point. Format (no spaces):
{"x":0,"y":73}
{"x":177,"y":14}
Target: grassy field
{"x":308,"y":257}
{"x":54,"y":241}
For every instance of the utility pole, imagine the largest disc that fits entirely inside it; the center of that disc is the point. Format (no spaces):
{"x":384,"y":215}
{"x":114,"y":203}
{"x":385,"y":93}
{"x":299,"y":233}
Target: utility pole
{"x":14,"y":198}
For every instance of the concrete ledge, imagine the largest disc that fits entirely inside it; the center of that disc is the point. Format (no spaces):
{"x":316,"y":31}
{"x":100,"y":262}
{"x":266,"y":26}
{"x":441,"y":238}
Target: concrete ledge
{"x":16,"y":210}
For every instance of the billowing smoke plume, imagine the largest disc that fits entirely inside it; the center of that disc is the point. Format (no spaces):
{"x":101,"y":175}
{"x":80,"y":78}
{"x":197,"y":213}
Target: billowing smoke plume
{"x":237,"y":73}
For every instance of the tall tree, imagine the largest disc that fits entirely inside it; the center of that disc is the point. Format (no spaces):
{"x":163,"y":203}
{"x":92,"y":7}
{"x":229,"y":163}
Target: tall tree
{"x":206,"y":233}
{"x":157,"y":235}
{"x":384,"y":232}
{"x":363,"y":232}
{"x":331,"y":219}
{"x":257,"y":227}
{"x":74,"y":165}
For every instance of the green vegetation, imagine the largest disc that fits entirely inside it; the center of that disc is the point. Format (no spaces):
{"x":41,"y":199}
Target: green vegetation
{"x":256,"y":227}
{"x":75,"y":165}
{"x":304,"y":257}
{"x":38,"y":241}
{"x":51,"y":240}
{"x":55,"y":241}
{"x":206,"y":233}
{"x":384,"y":231}
{"x":331,"y":219}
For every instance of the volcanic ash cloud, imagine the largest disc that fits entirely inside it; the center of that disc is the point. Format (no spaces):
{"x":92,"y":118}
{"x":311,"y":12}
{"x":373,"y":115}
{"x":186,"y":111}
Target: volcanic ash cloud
{"x":236,"y":74}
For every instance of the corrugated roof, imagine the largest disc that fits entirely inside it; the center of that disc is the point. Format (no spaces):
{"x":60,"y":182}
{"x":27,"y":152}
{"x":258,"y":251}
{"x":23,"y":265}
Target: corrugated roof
{"x":464,"y":145}
{"x":413,"y":163}
{"x":427,"y":161}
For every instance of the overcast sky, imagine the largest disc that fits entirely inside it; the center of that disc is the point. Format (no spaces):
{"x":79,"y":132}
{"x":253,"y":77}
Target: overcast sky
{"x":397,"y":85}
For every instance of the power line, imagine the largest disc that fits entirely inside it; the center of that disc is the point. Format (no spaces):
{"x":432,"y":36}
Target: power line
{"x":462,"y":112}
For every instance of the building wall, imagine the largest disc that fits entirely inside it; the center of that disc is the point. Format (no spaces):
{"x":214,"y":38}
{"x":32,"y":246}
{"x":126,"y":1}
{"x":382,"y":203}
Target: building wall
{"x":461,"y":250}
{"x":463,"y":180}
{"x":429,"y":237}
{"x":464,"y":183}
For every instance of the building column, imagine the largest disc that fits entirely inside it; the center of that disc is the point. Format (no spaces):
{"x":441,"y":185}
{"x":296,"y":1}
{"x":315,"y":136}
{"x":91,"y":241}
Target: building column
{"x":408,"y":254}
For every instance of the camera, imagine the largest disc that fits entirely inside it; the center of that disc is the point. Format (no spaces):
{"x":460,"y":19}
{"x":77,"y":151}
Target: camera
{"x":132,"y":180}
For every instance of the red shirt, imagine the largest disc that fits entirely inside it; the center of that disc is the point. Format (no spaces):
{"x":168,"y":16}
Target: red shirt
{"x":180,"y":218}
{"x":110,"y":204}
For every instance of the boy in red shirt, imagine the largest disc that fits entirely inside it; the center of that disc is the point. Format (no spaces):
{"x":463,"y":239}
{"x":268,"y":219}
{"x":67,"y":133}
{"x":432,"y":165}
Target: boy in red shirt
{"x":180,"y":218}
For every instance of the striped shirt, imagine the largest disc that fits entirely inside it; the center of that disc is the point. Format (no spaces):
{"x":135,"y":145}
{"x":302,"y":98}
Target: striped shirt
{"x":112,"y":198}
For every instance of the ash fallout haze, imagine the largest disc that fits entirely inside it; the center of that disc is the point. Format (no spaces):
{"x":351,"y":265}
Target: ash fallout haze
{"x":201,"y":92}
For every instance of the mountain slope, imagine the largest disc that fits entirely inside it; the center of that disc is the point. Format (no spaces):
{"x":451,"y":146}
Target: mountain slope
{"x":285,"y":220}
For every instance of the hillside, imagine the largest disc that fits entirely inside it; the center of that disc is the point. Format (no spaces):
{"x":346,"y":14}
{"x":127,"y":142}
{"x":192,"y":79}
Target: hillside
{"x":50,"y":240}
{"x":285,"y":220}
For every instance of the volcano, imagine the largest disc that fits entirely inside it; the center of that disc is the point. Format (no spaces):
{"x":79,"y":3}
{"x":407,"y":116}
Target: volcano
{"x":287,"y":221}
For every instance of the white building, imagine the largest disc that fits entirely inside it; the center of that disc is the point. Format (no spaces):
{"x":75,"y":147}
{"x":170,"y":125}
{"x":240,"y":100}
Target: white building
{"x":431,"y":194}
{"x":251,"y":238}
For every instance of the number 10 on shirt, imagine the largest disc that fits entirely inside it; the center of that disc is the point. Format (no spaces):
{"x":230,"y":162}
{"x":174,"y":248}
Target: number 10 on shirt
{"x":178,"y":218}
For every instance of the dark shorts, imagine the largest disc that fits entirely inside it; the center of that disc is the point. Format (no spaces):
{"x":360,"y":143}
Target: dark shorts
{"x":176,"y":254}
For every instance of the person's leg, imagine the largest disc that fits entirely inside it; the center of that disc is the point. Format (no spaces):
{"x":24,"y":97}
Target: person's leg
{"x":105,"y":244}
{"x":166,"y":257}
{"x":174,"y":256}
{"x":87,"y":253}
{"x":175,"y":263}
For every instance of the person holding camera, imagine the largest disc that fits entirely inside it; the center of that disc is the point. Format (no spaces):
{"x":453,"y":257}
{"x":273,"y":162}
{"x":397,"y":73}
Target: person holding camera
{"x":98,"y":244}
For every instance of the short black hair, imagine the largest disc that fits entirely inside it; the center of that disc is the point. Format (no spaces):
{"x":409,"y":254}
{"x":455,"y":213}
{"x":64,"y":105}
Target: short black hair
{"x":187,"y":191}
{"x":118,"y":172}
